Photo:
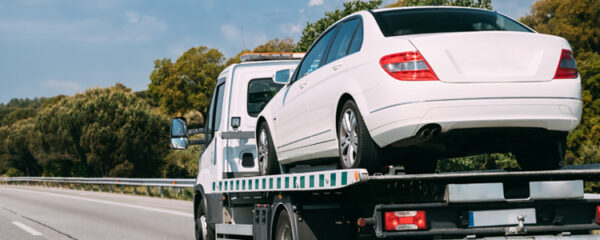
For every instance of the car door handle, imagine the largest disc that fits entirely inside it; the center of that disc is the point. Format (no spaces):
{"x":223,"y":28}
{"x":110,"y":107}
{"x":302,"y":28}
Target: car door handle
{"x":336,"y":67}
{"x":302,"y":85}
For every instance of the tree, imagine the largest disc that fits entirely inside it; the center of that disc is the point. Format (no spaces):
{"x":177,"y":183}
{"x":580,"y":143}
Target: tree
{"x":186,"y":84}
{"x":14,"y":148}
{"x":236,"y":59}
{"x":578,"y":21}
{"x":101,"y":132}
{"x":273,"y":45}
{"x":312,"y":30}
{"x":276,"y":45}
{"x":464,"y":3}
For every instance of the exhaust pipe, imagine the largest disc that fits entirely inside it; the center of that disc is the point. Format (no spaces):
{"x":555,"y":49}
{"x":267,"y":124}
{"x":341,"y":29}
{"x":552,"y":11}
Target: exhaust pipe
{"x":429,"y":131}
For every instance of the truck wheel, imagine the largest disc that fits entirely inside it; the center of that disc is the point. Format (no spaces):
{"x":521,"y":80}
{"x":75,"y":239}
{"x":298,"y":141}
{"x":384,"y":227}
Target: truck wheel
{"x":267,"y":158}
{"x":544,"y":155}
{"x":357,"y":148}
{"x":204,"y":230}
{"x":284,"y":228}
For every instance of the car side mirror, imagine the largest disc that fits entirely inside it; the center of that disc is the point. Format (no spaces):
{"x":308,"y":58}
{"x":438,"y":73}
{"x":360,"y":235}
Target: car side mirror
{"x":180,"y":139}
{"x":282,"y":76}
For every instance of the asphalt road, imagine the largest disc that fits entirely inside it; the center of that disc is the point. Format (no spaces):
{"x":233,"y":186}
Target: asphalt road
{"x":47,"y":213}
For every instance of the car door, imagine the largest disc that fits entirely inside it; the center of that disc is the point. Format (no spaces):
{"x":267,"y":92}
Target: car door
{"x":325,"y":90}
{"x":292,"y":121}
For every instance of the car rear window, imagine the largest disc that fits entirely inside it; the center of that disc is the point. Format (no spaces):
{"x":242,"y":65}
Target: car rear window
{"x":443,"y":20}
{"x":260,"y":92}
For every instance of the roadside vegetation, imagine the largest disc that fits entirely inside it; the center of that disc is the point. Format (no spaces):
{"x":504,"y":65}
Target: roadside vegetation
{"x":119,"y":133}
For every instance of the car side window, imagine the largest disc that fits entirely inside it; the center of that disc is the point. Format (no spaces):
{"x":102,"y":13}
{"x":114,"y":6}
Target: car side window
{"x":339,"y":47}
{"x":356,"y":40}
{"x":313,"y":59}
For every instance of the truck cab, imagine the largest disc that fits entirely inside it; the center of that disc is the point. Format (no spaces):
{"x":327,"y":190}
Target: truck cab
{"x":229,"y":151}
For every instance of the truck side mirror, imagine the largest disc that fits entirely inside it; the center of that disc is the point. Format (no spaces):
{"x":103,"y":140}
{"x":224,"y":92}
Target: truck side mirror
{"x":282,"y":76}
{"x":179,"y":134}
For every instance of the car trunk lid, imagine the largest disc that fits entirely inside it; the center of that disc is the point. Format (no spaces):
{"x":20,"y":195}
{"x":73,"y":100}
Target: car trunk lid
{"x":491,"y":56}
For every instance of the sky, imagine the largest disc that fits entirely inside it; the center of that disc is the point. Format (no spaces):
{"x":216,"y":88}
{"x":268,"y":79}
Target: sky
{"x":52,"y":47}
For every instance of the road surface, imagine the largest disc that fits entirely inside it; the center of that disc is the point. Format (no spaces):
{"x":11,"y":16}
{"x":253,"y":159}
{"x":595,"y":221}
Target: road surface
{"x":48,"y":213}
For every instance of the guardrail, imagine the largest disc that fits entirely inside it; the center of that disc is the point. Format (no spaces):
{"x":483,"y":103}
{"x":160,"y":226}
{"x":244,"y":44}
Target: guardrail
{"x":164,"y":186}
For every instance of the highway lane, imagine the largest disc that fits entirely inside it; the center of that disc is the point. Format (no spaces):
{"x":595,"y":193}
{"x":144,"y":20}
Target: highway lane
{"x":48,"y":213}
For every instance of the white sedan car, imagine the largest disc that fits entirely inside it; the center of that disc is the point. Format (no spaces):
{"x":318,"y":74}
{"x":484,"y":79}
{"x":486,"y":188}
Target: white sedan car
{"x":413,"y":85}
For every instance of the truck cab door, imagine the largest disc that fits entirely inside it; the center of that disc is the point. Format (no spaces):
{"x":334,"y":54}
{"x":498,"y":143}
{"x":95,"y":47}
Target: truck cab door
{"x":210,"y":163}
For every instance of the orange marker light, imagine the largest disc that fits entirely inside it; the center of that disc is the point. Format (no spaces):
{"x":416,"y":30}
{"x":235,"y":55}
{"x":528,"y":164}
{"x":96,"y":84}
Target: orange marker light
{"x":361,"y":222}
{"x":356,"y":175}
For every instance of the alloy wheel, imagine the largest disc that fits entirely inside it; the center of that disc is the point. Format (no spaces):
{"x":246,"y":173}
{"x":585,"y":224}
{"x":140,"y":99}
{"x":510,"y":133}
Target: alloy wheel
{"x":348,"y":138}
{"x":263,"y":151}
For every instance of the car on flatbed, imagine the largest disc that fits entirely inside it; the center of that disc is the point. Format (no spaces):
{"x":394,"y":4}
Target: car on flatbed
{"x":232,"y":200}
{"x":413,"y":85}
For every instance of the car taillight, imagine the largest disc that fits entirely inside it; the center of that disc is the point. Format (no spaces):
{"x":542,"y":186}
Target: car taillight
{"x":405,"y":220}
{"x":598,"y":214}
{"x":408,"y":66}
{"x":567,"y":68}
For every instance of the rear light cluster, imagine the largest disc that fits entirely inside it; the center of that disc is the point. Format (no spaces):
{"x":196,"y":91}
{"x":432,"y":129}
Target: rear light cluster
{"x":408,"y":66}
{"x":598,"y":214}
{"x":405,"y":220}
{"x":567,"y":68}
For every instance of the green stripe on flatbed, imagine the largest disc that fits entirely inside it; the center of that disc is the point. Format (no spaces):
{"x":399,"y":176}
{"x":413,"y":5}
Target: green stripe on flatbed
{"x":332,"y":179}
{"x":322,"y":180}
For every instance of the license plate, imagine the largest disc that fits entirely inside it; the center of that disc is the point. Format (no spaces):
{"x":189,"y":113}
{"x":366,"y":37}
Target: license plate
{"x":501,"y":217}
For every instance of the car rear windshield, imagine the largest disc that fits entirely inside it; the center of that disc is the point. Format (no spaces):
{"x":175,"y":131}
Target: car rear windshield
{"x":443,"y":20}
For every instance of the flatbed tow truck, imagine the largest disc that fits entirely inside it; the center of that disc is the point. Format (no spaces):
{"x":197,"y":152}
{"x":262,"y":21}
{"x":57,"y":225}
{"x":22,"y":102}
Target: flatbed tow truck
{"x":231,"y":200}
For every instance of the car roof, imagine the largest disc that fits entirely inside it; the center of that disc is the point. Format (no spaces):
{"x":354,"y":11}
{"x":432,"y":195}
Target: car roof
{"x":427,"y":7}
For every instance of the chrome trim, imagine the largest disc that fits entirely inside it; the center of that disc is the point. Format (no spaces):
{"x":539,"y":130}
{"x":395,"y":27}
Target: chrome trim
{"x":304,"y":138}
{"x":309,"y":145}
{"x":467,"y":99}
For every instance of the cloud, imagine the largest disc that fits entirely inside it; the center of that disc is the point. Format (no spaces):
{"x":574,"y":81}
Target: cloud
{"x":132,"y":17}
{"x":134,"y":28}
{"x":231,"y":33}
{"x":67,"y":87}
{"x":290,"y":28}
{"x":312,"y":3}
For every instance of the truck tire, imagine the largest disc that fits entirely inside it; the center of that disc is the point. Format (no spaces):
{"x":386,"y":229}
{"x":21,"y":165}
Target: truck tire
{"x":357,"y":148}
{"x":204,"y":230}
{"x":542,"y":155}
{"x":267,"y":158}
{"x":283,"y":230}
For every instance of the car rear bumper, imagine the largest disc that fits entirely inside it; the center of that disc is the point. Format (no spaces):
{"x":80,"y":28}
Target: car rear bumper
{"x":398,"y":121}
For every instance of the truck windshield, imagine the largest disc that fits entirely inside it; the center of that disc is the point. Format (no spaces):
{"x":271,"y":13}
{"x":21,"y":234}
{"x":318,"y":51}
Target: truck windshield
{"x":260,"y":92}
{"x":443,"y":20}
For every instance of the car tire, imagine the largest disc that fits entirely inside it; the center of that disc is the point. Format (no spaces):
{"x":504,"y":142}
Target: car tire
{"x":283,"y":230}
{"x":267,"y":158}
{"x":542,"y":155}
{"x":356,"y":147}
{"x":204,"y":230}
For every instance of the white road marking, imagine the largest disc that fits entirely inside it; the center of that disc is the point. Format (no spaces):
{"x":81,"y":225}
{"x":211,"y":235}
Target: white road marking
{"x":27,"y":228}
{"x":108,"y":202}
